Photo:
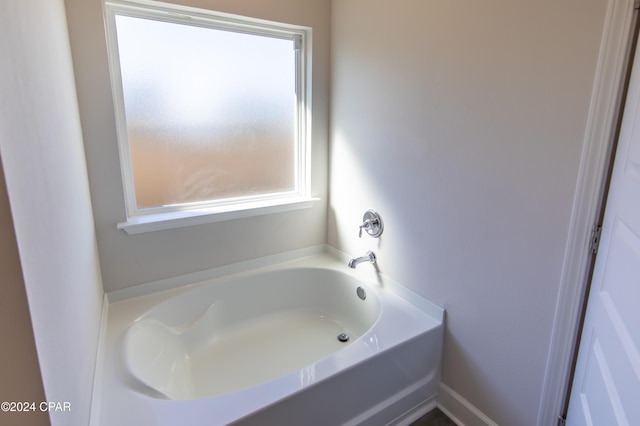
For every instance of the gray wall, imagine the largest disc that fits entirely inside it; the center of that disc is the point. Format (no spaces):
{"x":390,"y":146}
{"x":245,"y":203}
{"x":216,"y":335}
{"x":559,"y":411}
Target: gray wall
{"x":128,"y":260}
{"x":46,"y":181}
{"x":462,"y":123}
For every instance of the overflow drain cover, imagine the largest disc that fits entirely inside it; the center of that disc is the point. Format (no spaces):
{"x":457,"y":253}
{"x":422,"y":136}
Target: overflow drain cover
{"x":343,"y":337}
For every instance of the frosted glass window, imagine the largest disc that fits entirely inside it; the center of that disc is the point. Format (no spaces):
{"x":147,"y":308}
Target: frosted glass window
{"x":211,"y":112}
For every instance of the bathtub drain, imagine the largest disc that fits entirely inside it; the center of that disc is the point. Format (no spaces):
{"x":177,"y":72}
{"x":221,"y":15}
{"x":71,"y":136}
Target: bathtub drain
{"x":343,"y":337}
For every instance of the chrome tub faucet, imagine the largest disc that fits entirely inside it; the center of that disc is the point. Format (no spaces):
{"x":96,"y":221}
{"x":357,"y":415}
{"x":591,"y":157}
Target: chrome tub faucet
{"x":369,"y":257}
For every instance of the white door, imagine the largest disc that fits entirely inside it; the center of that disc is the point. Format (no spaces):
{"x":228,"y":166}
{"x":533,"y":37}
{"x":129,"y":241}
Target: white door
{"x":606,"y":387}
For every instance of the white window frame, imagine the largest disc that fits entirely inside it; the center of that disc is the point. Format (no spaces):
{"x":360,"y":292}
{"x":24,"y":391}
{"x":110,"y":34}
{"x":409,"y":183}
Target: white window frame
{"x":178,"y":215}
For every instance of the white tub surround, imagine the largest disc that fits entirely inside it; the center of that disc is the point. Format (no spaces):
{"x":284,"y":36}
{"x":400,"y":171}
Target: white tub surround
{"x":261,"y":347}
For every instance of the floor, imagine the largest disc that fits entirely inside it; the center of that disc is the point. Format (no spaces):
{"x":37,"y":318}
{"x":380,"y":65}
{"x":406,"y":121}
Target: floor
{"x":434,"y":417}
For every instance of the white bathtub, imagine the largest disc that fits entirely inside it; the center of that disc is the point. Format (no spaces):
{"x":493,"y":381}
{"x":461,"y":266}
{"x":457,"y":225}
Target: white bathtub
{"x":261,"y":347}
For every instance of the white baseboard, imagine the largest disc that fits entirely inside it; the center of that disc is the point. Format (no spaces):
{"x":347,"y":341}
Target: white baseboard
{"x":415,"y":413}
{"x":459,"y":410}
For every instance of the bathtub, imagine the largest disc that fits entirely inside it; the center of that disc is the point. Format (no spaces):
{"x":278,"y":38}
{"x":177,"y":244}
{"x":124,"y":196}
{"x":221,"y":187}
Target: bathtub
{"x":307,"y":341}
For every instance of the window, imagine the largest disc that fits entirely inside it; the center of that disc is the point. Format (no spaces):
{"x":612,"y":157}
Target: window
{"x":211,"y":113}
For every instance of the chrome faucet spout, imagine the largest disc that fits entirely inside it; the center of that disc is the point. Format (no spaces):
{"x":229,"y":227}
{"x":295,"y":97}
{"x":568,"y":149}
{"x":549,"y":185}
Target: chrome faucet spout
{"x":369,"y":257}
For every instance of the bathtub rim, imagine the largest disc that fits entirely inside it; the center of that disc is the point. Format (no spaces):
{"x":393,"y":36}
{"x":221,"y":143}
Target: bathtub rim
{"x":367,"y":273}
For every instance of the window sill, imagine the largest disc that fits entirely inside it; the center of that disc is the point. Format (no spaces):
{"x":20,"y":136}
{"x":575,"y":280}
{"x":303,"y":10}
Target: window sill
{"x":179,"y":219}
